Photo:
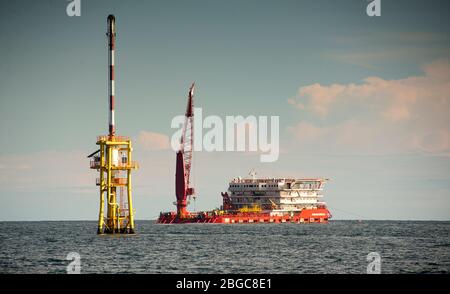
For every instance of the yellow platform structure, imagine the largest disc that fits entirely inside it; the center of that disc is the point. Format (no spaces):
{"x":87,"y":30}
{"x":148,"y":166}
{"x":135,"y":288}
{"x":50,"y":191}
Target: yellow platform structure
{"x":114,"y":163}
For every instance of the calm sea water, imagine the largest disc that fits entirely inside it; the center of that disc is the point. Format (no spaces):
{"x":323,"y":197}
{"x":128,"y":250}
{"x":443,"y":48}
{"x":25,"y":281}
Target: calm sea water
{"x":337,"y":247}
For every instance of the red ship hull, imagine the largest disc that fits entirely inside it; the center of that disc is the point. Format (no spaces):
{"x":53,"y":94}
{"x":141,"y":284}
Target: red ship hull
{"x":320,"y":215}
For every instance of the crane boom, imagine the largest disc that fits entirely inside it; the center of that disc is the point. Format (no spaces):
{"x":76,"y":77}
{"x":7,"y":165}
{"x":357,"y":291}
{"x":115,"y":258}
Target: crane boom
{"x":183,"y":187}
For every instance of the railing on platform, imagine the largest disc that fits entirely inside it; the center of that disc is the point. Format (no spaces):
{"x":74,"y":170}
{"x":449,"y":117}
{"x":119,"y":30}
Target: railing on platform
{"x":114,"y":139}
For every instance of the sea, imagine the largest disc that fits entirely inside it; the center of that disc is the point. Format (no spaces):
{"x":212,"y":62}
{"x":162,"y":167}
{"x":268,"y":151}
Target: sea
{"x":355,"y":247}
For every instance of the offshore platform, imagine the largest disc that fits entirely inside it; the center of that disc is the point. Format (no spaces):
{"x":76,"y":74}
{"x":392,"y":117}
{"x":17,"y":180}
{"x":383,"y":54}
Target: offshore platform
{"x":114,"y":163}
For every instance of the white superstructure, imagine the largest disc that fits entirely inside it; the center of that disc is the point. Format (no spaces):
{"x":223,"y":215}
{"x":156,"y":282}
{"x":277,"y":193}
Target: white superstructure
{"x":277,"y":195}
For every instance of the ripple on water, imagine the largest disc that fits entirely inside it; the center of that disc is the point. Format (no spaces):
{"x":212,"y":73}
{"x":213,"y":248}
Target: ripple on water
{"x":339,"y":247}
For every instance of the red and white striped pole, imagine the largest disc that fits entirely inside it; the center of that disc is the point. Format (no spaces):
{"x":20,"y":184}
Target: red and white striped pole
{"x":111,"y":41}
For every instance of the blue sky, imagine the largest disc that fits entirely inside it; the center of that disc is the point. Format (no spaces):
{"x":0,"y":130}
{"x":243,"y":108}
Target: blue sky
{"x":363,"y":101}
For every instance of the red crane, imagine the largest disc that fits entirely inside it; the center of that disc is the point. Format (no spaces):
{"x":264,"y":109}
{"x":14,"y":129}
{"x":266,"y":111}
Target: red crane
{"x":183,"y":187}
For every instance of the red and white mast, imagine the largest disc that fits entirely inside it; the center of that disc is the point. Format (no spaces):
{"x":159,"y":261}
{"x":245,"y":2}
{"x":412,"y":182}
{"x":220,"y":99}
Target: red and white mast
{"x":111,"y":42}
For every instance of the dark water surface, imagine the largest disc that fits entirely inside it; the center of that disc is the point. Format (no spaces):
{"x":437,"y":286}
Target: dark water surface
{"x":337,"y":247}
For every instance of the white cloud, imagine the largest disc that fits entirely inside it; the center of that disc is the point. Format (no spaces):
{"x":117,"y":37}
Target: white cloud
{"x":405,"y":115}
{"x":45,"y":170}
{"x":153,"y":141}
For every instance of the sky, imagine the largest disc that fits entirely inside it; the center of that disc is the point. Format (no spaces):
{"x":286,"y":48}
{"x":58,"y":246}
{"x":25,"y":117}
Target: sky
{"x":363,"y":101}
